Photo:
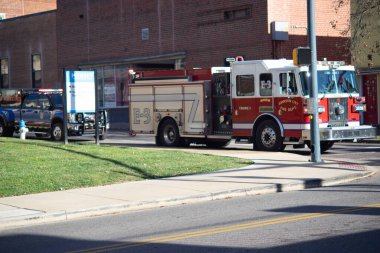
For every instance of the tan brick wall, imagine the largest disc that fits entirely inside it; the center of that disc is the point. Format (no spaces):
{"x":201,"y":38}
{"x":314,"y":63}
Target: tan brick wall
{"x":15,"y":8}
{"x":329,"y":24}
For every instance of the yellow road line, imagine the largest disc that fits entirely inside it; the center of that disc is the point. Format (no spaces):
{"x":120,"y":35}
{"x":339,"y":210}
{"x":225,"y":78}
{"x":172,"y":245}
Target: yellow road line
{"x":226,"y":229}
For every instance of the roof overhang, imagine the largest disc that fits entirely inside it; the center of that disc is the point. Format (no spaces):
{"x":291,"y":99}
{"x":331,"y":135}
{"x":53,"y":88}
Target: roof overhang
{"x":369,"y":71}
{"x":153,"y":59}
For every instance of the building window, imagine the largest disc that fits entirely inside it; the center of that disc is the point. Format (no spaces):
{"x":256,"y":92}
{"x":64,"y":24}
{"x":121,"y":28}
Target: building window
{"x":2,"y":16}
{"x":113,"y":84}
{"x":4,"y":73}
{"x":36,"y":71}
{"x":145,"y":34}
{"x":237,"y":14}
{"x":245,"y":85}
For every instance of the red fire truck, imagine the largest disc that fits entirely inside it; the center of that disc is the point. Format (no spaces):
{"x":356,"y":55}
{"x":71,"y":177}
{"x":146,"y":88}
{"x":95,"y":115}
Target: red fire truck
{"x":264,"y":102}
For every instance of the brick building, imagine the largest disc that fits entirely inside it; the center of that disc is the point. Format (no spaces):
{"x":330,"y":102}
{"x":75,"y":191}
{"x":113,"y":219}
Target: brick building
{"x":16,"y":8}
{"x":113,"y":36}
{"x":366,"y":54}
{"x":28,"y":51}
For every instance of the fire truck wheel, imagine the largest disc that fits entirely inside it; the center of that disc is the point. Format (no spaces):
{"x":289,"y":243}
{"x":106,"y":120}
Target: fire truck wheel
{"x":169,"y":134}
{"x":268,"y":136}
{"x":57,"y":132}
{"x":158,"y":142}
{"x":325,"y":145}
{"x":217,"y":143}
{"x":184,"y":142}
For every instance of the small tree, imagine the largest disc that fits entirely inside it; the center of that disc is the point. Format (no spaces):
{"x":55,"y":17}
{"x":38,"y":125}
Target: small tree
{"x":364,"y":27}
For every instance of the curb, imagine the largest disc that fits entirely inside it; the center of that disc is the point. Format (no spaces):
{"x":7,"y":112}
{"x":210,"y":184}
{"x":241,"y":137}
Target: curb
{"x":40,"y":218}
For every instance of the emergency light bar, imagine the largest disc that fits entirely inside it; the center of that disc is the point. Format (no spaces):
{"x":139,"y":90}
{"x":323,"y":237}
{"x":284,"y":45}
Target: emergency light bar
{"x":331,"y":64}
{"x":28,"y":91}
{"x":50,"y":90}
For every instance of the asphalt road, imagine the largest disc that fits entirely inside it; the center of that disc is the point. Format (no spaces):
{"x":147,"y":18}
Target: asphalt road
{"x":343,"y":218}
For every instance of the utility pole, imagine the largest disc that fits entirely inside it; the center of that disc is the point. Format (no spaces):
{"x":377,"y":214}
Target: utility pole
{"x":314,"y":127}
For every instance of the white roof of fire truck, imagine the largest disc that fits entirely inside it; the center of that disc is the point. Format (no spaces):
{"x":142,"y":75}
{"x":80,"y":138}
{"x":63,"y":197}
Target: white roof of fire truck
{"x":268,"y":64}
{"x":283,"y":64}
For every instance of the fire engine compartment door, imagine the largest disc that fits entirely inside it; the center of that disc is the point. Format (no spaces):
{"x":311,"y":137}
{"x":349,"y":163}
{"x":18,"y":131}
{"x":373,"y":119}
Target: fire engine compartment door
{"x":183,"y":103}
{"x":141,"y":104}
{"x":194,"y":117}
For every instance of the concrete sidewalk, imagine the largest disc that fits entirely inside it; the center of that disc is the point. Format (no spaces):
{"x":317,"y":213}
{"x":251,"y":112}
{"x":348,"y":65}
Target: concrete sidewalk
{"x":271,"y":172}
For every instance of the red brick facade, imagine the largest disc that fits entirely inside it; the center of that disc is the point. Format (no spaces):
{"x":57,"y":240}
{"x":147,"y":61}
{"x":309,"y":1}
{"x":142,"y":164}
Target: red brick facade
{"x":108,"y":32}
{"x":97,"y":32}
{"x":23,"y":37}
{"x":112,"y":36}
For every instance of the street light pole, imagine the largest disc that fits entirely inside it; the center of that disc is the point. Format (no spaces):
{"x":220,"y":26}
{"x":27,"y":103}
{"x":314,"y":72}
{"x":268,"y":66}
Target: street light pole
{"x":314,"y":127}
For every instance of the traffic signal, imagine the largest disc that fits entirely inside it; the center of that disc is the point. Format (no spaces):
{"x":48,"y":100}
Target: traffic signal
{"x":302,"y":56}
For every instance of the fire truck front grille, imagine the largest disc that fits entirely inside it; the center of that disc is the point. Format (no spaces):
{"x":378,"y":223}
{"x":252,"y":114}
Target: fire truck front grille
{"x":338,"y":112}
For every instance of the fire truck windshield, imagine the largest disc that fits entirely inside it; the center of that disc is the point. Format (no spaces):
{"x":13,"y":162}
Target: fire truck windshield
{"x":331,"y":82}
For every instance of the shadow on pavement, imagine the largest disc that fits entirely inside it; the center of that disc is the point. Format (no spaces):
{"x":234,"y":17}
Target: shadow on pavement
{"x":367,"y":241}
{"x":365,"y":210}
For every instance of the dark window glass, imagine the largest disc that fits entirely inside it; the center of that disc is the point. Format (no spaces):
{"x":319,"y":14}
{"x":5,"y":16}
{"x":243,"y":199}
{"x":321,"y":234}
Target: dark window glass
{"x":4,"y":73}
{"x":44,"y":102}
{"x":31,"y":101}
{"x":245,"y":85}
{"x":56,"y":100}
{"x":237,"y":14}
{"x":288,"y":84}
{"x":36,"y":71}
{"x":266,"y":85}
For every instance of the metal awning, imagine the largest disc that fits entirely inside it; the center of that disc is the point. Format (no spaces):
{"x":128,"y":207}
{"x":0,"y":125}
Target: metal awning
{"x":369,"y":71}
{"x":158,"y":59}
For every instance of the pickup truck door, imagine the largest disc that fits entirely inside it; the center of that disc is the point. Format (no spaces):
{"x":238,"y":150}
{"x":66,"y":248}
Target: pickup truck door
{"x":30,"y":111}
{"x":44,"y":113}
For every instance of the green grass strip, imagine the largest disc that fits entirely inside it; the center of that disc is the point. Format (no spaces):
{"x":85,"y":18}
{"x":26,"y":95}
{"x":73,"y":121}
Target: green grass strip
{"x":33,"y":166}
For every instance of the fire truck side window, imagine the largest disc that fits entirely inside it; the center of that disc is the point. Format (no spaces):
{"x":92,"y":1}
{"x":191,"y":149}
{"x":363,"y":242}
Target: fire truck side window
{"x":288,"y":84}
{"x":245,"y":85}
{"x":266,"y":84}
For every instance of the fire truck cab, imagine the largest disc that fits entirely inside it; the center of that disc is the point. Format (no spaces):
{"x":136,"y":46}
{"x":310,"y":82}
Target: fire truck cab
{"x":264,"y":102}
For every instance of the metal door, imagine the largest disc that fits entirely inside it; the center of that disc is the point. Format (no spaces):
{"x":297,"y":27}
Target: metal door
{"x":370,"y":93}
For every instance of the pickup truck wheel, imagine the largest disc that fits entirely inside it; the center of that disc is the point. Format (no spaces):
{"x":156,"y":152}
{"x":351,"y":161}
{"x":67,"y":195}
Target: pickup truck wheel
{"x":2,"y":128}
{"x":268,"y":136}
{"x":103,"y":135}
{"x":169,"y":134}
{"x":4,"y":131}
{"x":57,"y":132}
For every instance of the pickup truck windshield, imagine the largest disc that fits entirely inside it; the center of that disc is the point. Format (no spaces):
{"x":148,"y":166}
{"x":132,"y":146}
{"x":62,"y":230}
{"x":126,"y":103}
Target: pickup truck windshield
{"x":56,"y":99}
{"x":331,"y":82}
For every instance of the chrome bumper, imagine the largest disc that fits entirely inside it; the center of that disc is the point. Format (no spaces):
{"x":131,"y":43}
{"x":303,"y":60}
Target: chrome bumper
{"x":74,"y":126}
{"x":343,"y":133}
